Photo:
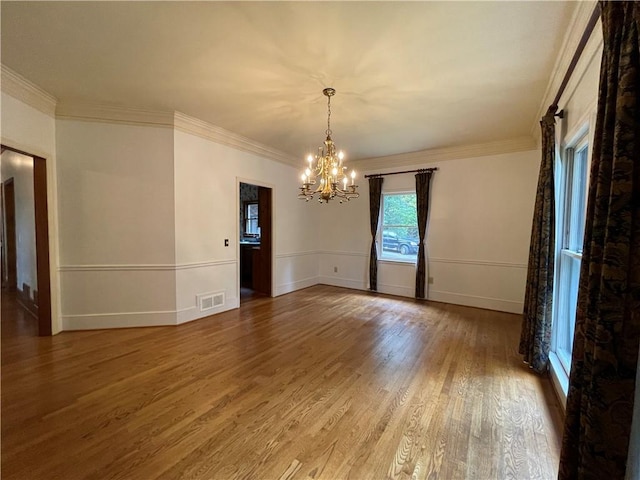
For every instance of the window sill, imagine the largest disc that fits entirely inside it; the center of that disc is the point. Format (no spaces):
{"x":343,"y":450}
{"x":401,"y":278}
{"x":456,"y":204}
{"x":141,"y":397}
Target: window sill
{"x":389,"y":261}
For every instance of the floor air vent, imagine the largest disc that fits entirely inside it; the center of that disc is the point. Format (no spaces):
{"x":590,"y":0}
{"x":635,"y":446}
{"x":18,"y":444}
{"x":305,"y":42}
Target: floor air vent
{"x":207,"y":301}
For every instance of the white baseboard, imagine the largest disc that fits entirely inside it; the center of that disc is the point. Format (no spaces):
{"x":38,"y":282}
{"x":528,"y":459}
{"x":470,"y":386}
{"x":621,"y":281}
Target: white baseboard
{"x":359,"y":285}
{"x":163,"y":318}
{"x":399,"y":290}
{"x":342,"y":282}
{"x":388,"y":289}
{"x":297,"y":285}
{"x":436,"y":296}
{"x":100,"y":321}
{"x":489,"y":303}
{"x":103,"y":321}
{"x":190,"y":314}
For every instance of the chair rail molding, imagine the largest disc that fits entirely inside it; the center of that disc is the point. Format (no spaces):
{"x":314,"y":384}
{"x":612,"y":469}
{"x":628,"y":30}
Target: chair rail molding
{"x":144,"y":267}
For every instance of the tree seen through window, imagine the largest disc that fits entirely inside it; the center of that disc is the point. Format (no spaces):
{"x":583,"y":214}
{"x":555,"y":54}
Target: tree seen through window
{"x":400,"y":237}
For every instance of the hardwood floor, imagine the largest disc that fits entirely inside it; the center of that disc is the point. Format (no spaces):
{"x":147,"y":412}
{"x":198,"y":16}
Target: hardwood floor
{"x":321,"y":383}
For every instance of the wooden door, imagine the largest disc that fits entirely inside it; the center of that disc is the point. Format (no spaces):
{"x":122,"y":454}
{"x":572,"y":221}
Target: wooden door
{"x":262,"y":268}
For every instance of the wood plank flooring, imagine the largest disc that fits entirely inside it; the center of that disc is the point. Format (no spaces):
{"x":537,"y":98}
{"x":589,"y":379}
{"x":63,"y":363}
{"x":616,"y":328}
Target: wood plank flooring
{"x":323,"y":383}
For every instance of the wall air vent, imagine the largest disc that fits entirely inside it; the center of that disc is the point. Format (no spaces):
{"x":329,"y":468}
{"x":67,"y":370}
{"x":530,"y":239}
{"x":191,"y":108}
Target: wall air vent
{"x":218,"y":299}
{"x":208,"y":301}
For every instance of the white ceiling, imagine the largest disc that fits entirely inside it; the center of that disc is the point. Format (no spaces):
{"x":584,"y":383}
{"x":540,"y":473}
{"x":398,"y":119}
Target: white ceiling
{"x":409,"y":75}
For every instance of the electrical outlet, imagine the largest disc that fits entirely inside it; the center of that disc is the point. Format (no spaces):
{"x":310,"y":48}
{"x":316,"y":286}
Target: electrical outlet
{"x":430,"y":280}
{"x":335,"y":269}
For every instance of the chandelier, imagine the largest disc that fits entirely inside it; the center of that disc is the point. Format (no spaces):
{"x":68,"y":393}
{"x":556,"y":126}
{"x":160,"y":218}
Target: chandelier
{"x":328,"y":168}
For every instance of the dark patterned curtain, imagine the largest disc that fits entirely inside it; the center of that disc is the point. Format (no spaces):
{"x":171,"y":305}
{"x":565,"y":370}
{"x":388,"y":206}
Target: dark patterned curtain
{"x":535,"y":338}
{"x":375,"y":193}
{"x":423,"y":180}
{"x":605,"y":349}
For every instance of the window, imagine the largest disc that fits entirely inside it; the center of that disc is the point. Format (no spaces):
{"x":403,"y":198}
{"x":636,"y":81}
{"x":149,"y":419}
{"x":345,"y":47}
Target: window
{"x":251,"y":219}
{"x":572,"y":209}
{"x":399,"y":237}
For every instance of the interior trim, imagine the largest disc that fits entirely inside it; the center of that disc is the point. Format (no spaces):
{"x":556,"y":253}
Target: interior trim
{"x":559,"y":379}
{"x":144,"y":267}
{"x":483,"y":263}
{"x":149,"y":318}
{"x":477,"y":301}
{"x":27,"y":92}
{"x":289,"y":287}
{"x":411,"y":159}
{"x":343,"y":253}
{"x":200,"y":128}
{"x":477,"y":262}
{"x":298,"y":254}
{"x":94,"y":112}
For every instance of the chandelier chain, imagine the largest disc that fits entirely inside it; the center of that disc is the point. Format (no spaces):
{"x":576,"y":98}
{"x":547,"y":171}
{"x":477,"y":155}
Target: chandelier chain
{"x":328,"y":132}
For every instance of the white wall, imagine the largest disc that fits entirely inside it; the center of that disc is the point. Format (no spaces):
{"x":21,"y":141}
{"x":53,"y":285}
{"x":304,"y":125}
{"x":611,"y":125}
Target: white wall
{"x":20,"y":168}
{"x":144,"y":212}
{"x":580,"y":99}
{"x":27,"y":129}
{"x":117,"y":247}
{"x":207,"y":178}
{"x":477,"y":237}
{"x":30,"y":130}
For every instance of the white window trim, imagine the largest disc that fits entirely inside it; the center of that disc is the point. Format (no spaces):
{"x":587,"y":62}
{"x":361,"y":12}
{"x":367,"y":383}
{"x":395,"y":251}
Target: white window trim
{"x":391,"y":261}
{"x":581,"y":136}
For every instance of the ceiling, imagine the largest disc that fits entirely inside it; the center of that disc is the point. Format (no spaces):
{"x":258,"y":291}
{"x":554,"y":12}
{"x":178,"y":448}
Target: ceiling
{"x":409,"y":76}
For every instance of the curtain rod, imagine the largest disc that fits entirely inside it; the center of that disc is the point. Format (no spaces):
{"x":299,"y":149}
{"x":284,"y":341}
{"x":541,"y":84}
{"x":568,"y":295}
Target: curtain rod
{"x":595,"y":15}
{"x":420,"y":170}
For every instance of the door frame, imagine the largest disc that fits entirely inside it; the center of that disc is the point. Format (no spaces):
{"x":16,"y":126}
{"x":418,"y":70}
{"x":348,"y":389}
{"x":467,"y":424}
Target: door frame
{"x":43,"y":263}
{"x":257,"y":183}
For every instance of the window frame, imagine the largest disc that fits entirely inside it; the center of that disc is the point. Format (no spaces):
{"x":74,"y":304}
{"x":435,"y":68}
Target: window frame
{"x":568,"y":246}
{"x":247,"y":219}
{"x":412,"y":261}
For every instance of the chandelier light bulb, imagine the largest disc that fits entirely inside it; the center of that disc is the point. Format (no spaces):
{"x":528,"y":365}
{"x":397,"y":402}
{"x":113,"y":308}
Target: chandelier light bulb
{"x":334,"y":172}
{"x":304,"y":178}
{"x":310,"y":158}
{"x":307,"y":172}
{"x":340,"y":154}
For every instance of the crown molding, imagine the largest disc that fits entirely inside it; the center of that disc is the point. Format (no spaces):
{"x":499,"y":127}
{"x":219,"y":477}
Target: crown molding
{"x":577,"y":26}
{"x":27,"y":92}
{"x":200,"y":128}
{"x":95,"y":112}
{"x":449,"y":153}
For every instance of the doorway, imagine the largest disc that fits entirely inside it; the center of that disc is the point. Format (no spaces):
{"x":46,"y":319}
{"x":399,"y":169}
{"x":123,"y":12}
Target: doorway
{"x":26,"y":260}
{"x":256,"y":240}
{"x":8,"y":215}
